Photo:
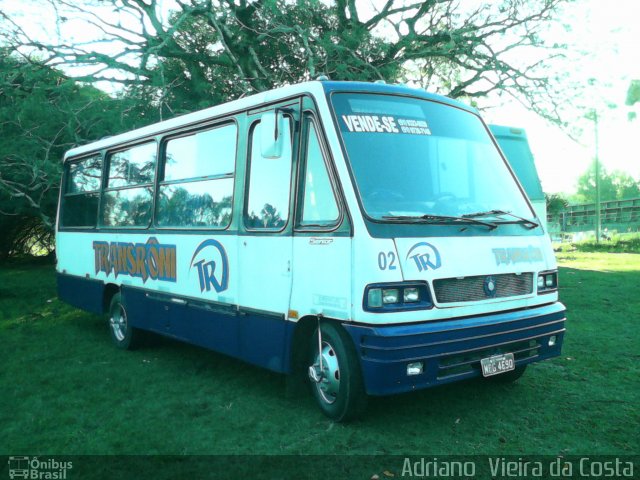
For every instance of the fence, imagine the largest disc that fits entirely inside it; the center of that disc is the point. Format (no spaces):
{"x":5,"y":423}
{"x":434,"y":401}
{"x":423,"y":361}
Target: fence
{"x":615,"y":215}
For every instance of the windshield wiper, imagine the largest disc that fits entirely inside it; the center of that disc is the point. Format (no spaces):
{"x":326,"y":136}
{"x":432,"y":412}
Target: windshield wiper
{"x":526,"y":221}
{"x":439,"y":220}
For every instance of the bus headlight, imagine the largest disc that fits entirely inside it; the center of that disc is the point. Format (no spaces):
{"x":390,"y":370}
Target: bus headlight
{"x":374,"y":299}
{"x":548,"y":281}
{"x":390,"y":297}
{"x":411,"y":294}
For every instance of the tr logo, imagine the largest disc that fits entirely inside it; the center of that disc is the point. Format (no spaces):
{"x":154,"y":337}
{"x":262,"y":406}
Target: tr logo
{"x":425,"y":255}
{"x":210,"y":259}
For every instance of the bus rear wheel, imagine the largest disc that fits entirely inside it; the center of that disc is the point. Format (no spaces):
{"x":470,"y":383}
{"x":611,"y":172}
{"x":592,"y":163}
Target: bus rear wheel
{"x":123,"y":335}
{"x":335,"y":375}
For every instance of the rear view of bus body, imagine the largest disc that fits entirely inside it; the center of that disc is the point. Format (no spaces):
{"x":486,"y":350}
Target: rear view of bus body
{"x":369,"y":237}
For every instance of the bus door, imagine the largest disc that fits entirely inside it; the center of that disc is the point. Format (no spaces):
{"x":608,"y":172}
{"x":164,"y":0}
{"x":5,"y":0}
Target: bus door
{"x":322,"y":238}
{"x":265,"y":237}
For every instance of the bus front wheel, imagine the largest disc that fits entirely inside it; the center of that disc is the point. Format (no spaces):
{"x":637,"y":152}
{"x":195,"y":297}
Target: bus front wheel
{"x":124,"y":336}
{"x":335,"y":375}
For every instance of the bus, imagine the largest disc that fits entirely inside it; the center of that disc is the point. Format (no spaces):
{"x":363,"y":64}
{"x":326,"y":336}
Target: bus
{"x":369,"y":239}
{"x":515,"y":146}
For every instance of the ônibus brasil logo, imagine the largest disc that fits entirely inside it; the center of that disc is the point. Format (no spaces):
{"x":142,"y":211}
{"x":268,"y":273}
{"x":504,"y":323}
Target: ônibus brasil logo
{"x":210,"y":259}
{"x":425,"y":255}
{"x":34,"y":468}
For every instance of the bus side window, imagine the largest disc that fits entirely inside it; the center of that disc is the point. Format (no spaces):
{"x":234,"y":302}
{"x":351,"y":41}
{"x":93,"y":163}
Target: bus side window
{"x":128,"y":198}
{"x":319,"y":206}
{"x":269,"y":184}
{"x":196,"y":189}
{"x":80,"y":201}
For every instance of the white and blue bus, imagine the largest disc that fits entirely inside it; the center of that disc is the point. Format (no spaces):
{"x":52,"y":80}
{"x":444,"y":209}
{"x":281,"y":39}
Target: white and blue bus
{"x":370,"y":237}
{"x":515,"y":147}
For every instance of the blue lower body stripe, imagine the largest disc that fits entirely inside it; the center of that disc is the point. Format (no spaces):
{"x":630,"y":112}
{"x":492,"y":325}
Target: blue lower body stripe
{"x":451,"y":350}
{"x":256,"y":337}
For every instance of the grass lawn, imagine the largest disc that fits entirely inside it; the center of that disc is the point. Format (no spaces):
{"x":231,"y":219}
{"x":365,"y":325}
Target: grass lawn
{"x":67,"y":390}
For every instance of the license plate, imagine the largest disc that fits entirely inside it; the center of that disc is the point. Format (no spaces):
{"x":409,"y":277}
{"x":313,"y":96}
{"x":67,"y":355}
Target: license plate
{"x":497,"y":364}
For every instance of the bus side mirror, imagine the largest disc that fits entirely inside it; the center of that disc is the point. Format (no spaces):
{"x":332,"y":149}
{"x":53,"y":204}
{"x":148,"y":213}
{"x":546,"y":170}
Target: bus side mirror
{"x":272,"y":134}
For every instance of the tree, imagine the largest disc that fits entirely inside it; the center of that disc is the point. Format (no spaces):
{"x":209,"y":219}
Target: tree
{"x":633,"y":97}
{"x":613,"y":186}
{"x":209,"y":51}
{"x":586,"y":187}
{"x":625,"y":185}
{"x":556,"y":204}
{"x":42,"y":114}
{"x":633,"y":94}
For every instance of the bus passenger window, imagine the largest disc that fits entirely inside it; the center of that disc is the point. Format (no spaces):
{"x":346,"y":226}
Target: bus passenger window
{"x":319,"y":206}
{"x":134,"y":166}
{"x":80,"y":201}
{"x":269,"y":185}
{"x":197,"y":187}
{"x":85,"y":175}
{"x":128,"y":197}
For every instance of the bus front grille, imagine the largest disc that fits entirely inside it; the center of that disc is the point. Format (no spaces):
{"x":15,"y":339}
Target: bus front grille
{"x":461,"y":364}
{"x":482,"y":287}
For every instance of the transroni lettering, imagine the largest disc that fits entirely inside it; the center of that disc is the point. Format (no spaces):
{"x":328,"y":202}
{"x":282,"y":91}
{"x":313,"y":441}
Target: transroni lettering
{"x":144,"y":260}
{"x":517,"y":255}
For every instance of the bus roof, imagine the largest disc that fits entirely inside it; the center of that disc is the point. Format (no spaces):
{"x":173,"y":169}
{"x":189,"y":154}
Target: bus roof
{"x":317,"y":88}
{"x":334,"y":86}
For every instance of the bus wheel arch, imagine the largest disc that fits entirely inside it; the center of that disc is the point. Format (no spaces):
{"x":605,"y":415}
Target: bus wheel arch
{"x":304,"y":329}
{"x":122,"y":333}
{"x":110,"y":289}
{"x":338,"y":385}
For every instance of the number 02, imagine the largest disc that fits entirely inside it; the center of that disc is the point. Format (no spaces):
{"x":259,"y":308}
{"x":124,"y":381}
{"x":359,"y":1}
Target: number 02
{"x":386,"y":261}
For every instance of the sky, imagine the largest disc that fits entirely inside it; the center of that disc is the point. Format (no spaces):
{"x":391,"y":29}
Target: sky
{"x":604,"y":50}
{"x":609,"y":34}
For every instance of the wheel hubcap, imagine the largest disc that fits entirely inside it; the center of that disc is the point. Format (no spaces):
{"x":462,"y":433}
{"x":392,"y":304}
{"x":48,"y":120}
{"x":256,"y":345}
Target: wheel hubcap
{"x":328,"y":383}
{"x":118,"y":321}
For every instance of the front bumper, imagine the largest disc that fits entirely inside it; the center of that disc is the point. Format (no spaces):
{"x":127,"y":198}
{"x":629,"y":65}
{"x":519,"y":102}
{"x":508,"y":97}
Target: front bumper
{"x":451,"y":349}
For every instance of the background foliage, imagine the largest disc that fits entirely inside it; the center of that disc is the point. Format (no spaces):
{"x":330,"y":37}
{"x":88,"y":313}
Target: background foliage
{"x":613,"y":186}
{"x":42,"y":114}
{"x":205,"y":52}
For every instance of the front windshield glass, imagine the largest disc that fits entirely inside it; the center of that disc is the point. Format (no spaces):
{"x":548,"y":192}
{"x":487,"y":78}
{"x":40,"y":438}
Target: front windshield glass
{"x":413,"y":157}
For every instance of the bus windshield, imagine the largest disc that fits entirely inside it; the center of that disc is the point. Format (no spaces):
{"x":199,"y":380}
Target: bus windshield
{"x":414,"y":158}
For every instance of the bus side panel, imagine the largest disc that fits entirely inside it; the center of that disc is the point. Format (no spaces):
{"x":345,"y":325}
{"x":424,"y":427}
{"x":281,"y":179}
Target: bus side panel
{"x":211,"y":329}
{"x":256,"y":338}
{"x":264,"y":339}
{"x":81,"y":292}
{"x":185,"y":320}
{"x":141,"y":312}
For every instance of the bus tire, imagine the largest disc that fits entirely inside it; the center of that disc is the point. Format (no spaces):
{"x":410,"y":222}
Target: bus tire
{"x":123,"y":335}
{"x":508,"y":377}
{"x":340,"y":393}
